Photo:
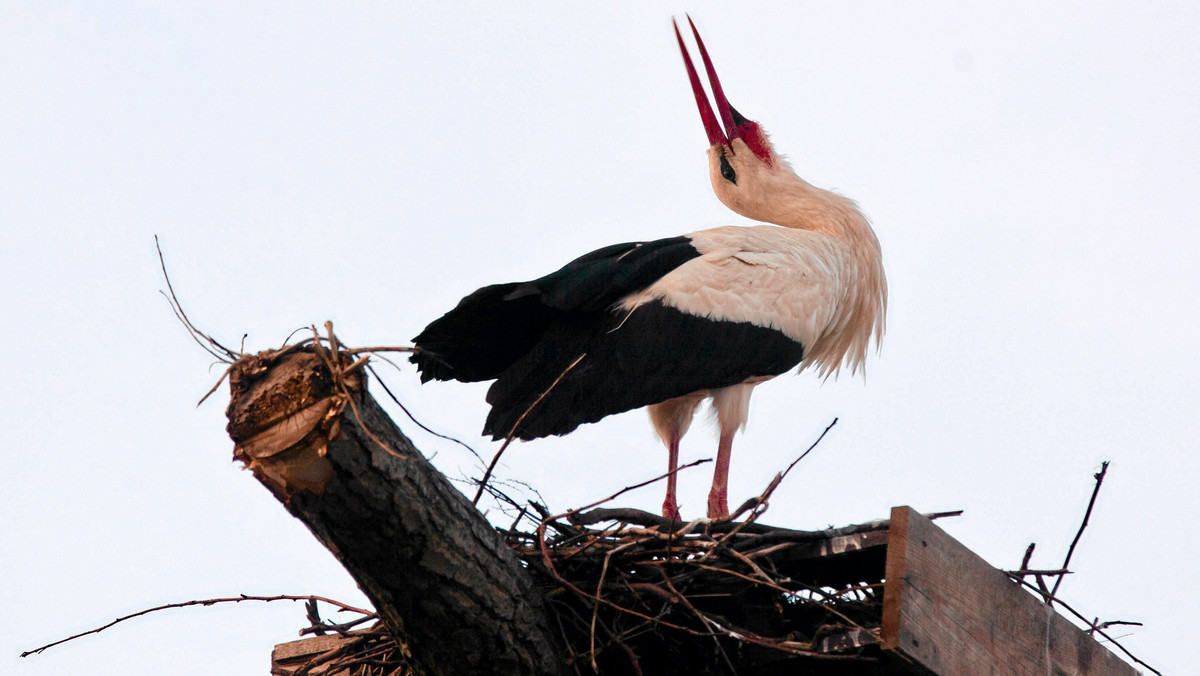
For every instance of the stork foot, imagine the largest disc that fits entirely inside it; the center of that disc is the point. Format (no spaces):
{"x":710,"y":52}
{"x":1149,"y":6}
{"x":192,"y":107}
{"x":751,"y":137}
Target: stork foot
{"x":670,"y":510}
{"x":718,"y":505}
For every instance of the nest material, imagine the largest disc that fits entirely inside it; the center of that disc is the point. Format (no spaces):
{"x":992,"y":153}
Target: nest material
{"x":364,"y":652}
{"x":632,"y":593}
{"x":641,"y":595}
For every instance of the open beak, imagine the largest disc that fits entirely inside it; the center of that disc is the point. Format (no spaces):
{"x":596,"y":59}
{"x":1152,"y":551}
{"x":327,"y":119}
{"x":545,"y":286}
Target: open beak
{"x":731,"y":118}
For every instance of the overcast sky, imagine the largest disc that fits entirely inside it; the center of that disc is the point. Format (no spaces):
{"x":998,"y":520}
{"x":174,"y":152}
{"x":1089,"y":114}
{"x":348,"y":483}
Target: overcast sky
{"x":1031,"y":171}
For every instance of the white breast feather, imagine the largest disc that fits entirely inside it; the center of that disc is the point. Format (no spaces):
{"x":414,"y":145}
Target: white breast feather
{"x":784,"y":279}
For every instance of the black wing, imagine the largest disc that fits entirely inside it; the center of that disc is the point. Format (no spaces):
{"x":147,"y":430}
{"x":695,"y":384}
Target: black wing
{"x":629,"y":359}
{"x":498,"y":325}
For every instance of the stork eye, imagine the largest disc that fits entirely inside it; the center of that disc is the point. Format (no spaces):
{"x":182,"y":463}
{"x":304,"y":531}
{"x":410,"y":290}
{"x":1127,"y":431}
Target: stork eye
{"x":727,"y":171}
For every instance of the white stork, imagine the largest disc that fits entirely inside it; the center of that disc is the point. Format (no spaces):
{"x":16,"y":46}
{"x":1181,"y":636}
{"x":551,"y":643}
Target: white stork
{"x":671,"y":322}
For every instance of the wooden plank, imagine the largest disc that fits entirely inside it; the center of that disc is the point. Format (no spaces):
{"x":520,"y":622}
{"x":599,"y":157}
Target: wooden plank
{"x":287,"y":658}
{"x":950,"y":612}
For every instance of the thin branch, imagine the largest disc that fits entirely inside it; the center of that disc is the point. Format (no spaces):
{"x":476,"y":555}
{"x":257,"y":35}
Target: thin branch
{"x":1098,"y":630}
{"x":339,"y":628}
{"x":512,"y":433}
{"x":1034,"y":571}
{"x":1028,"y":555}
{"x":372,"y":350}
{"x":228,"y":370}
{"x":1099,"y":476}
{"x":204,"y":602}
{"x":413,"y":418}
{"x":755,"y":503}
{"x":212,"y":346}
{"x":634,"y":487}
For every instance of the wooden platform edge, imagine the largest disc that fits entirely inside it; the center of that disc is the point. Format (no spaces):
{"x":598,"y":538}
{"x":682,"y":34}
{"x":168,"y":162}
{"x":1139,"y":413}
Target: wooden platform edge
{"x":952,"y":613}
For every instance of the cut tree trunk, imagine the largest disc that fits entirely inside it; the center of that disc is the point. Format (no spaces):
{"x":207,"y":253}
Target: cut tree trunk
{"x":440,"y":577}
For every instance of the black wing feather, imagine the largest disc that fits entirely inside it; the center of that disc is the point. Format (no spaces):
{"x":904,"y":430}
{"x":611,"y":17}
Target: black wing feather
{"x":630,"y":360}
{"x":497,"y":325}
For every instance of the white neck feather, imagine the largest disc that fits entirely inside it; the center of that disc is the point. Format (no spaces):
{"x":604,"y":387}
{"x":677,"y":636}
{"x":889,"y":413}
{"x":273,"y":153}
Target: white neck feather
{"x":861,"y":311}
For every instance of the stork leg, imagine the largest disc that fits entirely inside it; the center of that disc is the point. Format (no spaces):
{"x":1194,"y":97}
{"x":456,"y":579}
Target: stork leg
{"x":732,"y":406}
{"x":670,"y":508}
{"x":718,"y":497}
{"x":671,"y":419}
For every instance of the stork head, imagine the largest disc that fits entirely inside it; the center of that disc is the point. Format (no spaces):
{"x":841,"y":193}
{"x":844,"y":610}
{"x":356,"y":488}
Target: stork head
{"x":746,"y":172}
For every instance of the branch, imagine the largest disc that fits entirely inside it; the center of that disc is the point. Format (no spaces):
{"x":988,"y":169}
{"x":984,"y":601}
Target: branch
{"x":760,"y":501}
{"x":204,"y":602}
{"x":1096,"y":628}
{"x":512,"y":433}
{"x":209,"y":344}
{"x":1086,"y":515}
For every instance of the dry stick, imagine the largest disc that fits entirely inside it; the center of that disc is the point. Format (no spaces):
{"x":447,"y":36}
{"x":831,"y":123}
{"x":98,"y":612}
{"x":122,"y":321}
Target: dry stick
{"x":632,"y":656}
{"x":548,"y":562}
{"x":634,"y":487}
{"x":754,"y":503}
{"x":771,"y":584}
{"x":513,"y":432}
{"x":341,"y":628}
{"x":1099,"y":476}
{"x":177,"y":308}
{"x":371,"y":350}
{"x":332,"y":360}
{"x":599,"y":587}
{"x":1028,"y":555}
{"x":1100,"y":631}
{"x":1038,"y":572}
{"x":205,"y":602}
{"x":704,"y":619}
{"x":1097,"y":624}
{"x":410,"y":415}
{"x":228,"y":370}
{"x":761,"y":501}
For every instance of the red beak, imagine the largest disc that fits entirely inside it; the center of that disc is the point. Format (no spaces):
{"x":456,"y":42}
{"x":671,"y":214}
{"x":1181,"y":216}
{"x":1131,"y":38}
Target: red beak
{"x":716,"y":136}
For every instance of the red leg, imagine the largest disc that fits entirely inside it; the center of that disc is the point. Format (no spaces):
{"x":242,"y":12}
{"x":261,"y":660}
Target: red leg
{"x":718,"y":500}
{"x":670,"y":509}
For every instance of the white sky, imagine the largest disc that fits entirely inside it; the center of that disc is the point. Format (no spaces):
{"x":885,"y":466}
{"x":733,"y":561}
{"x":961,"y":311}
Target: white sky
{"x":1030,"y":169}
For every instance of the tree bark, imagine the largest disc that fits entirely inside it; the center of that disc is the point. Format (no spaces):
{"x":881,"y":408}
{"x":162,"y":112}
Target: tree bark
{"x":438,"y":574}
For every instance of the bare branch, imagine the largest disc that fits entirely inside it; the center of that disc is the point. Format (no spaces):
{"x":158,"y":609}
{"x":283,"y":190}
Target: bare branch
{"x":210,"y":345}
{"x":513,"y":432}
{"x":1097,"y":629}
{"x":1086,"y":515}
{"x":204,"y":602}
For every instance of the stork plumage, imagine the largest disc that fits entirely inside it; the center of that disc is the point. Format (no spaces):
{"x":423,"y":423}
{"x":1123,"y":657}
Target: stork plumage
{"x":669,"y":323}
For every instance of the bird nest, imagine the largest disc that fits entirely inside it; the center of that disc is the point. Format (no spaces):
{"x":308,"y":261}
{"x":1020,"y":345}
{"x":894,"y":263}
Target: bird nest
{"x":634,"y":593}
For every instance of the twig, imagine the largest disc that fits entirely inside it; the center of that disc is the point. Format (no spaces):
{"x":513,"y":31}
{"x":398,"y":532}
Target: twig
{"x":933,"y":516}
{"x":228,"y":370}
{"x":1028,"y":555}
{"x":513,"y":431}
{"x":647,"y":482}
{"x":1034,"y":571}
{"x":363,"y":350}
{"x":1098,"y":630}
{"x":413,"y":418}
{"x":204,"y":602}
{"x":754,"y":503}
{"x":340,"y":628}
{"x":759,"y":505}
{"x":1097,"y":624}
{"x":225,"y":355}
{"x":1099,"y":476}
{"x":331,"y":357}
